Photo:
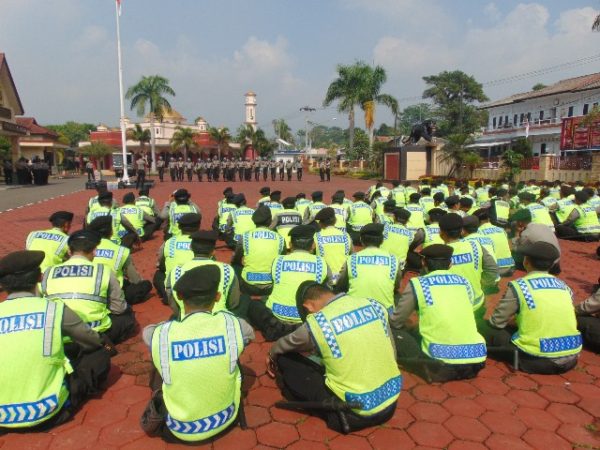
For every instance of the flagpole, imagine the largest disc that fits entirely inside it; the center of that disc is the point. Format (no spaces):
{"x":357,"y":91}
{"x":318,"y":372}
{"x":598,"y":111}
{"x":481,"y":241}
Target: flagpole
{"x":122,"y":121}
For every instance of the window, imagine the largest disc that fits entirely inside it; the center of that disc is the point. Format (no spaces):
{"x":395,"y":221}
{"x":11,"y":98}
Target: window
{"x":586,"y":108}
{"x":494,"y":122}
{"x":515,"y":119}
{"x":543,"y":148}
{"x":529,"y":117}
{"x":595,"y":105}
{"x":505,"y":121}
{"x":500,"y":122}
{"x":158,"y":131}
{"x":571,"y":111}
{"x":541,"y":115}
{"x":522,"y":118}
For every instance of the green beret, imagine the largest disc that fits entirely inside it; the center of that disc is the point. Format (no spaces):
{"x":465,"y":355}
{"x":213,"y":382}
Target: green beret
{"x":262,"y":215}
{"x":540,"y":250}
{"x":522,"y":215}
{"x":20,"y":262}
{"x":199,"y":281}
{"x":372,"y":229}
{"x":437,"y":251}
{"x":325,"y":214}
{"x":451,"y":222}
{"x":302,"y":232}
{"x":88,"y":235}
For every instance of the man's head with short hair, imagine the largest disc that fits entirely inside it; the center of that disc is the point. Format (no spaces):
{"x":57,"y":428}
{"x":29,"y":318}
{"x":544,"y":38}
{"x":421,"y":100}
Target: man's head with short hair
{"x":102,"y":225}
{"x":326,"y":217}
{"x":371,"y":235}
{"x":203,"y":242}
{"x":62,"y":220}
{"x":450,"y":227}
{"x":262,"y":217}
{"x":83,"y":242}
{"x":129,"y":198}
{"x":466,"y":203}
{"x":311,"y":297}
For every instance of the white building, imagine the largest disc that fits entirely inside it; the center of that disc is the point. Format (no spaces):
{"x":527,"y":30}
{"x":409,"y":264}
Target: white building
{"x":537,"y":115}
{"x":250,"y":118}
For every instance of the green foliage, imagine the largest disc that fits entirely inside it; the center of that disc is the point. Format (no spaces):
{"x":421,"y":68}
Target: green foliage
{"x":511,"y":161}
{"x":183,"y":138}
{"x":283,"y":130}
{"x":71,"y":133}
{"x":591,"y":117}
{"x":538,"y":86}
{"x":412,"y":115}
{"x":221,"y":136}
{"x":96,"y":150}
{"x":258,"y":139}
{"x":5,"y":152}
{"x":150,"y":93}
{"x":140,"y":135}
{"x":325,"y":137}
{"x":523,"y":147}
{"x":361,"y":146}
{"x":455,"y":152}
{"x":375,"y":158}
{"x":454,"y":94}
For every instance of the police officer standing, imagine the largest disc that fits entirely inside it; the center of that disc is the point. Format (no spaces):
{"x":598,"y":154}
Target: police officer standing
{"x":358,"y":366}
{"x":546,"y":340}
{"x":173,"y":169}
{"x":289,"y":165}
{"x":89,"y":289}
{"x":299,"y":169}
{"x":446,"y":345}
{"x":43,"y":386}
{"x":141,"y":172}
{"x":52,"y":242}
{"x":160,"y":165}
{"x":197,"y":363}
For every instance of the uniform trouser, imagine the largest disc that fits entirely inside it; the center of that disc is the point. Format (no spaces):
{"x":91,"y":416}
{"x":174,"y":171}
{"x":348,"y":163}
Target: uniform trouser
{"x":90,"y":175}
{"x":159,"y":284}
{"x":256,"y":174}
{"x":273,"y":174}
{"x":128,"y":240}
{"x":190,"y":174}
{"x":173,"y":174}
{"x":209,"y":174}
{"x":570,"y":233}
{"x":302,"y":379}
{"x":90,"y":370}
{"x":264,"y":320}
{"x":136,"y":292}
{"x":289,"y":174}
{"x":412,"y":357}
{"x":161,"y":173}
{"x":589,"y":326}
{"x":229,"y":240}
{"x":299,"y":174}
{"x":322,"y":174}
{"x":265,"y":172}
{"x":241,"y":174}
{"x":501,"y":348}
{"x":281,"y":174}
{"x":216,"y":174}
{"x":141,"y":178}
{"x":328,"y":174}
{"x":123,"y":325}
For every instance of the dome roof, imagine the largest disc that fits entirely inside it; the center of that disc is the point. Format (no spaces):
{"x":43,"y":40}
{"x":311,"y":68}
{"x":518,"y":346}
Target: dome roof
{"x":250,"y":93}
{"x":172,"y":115}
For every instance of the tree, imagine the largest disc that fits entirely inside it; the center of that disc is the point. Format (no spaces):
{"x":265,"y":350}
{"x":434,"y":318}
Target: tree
{"x":538,"y":87}
{"x":283,"y":130}
{"x":150,"y":92}
{"x":96,"y":150}
{"x":456,"y":153}
{"x":511,"y":161}
{"x":74,"y":132}
{"x":361,"y":146}
{"x":412,"y":115}
{"x":222,"y":137}
{"x":371,"y":80}
{"x":5,"y":148}
{"x":246,"y":134}
{"x":140,"y":135}
{"x":375,"y":159}
{"x":471,"y":160}
{"x":454,"y":94}
{"x":523,"y":147}
{"x":183,"y":138}
{"x":346,"y":90}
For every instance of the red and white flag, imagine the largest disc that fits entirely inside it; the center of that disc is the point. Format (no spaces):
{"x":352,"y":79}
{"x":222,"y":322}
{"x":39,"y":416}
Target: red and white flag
{"x":119,"y":6}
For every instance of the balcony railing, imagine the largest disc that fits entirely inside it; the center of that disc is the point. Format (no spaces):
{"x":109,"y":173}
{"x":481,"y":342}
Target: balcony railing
{"x":570,"y":162}
{"x":533,"y":123}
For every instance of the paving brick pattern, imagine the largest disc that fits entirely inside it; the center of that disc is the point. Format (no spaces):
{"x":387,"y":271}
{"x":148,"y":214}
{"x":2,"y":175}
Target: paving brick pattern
{"x":498,"y":410}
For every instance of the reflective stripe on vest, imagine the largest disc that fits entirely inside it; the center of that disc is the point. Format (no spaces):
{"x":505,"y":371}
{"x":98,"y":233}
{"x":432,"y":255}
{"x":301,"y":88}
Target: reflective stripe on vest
{"x":201,"y":425}
{"x":370,"y":400}
{"x":27,"y":412}
{"x":49,"y":327}
{"x":464,"y":351}
{"x":164,"y":353}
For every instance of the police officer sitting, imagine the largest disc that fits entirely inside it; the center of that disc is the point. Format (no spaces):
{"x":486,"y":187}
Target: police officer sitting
{"x":148,"y":204}
{"x":175,"y":252}
{"x":332,"y":243}
{"x":90,"y":289}
{"x":142,"y":222}
{"x":315,"y":206}
{"x":527,"y":233}
{"x":239,"y":221}
{"x":582,"y":224}
{"x":123,"y":231}
{"x":273,"y":203}
{"x":447,"y":333}
{"x":225,"y":207}
{"x":265,"y":193}
{"x":360,"y":215}
{"x":203,"y":246}
{"x":255,"y":252}
{"x":399,"y":240}
{"x":197,"y":384}
{"x":356,"y":359}
{"x":502,"y":252}
{"x":372,"y":272}
{"x":118,"y":259}
{"x":42,"y":386}
{"x":546,"y":339}
{"x":287,"y":219}
{"x":588,"y":321}
{"x":179,"y":205}
{"x":52,"y":242}
{"x":279,"y":315}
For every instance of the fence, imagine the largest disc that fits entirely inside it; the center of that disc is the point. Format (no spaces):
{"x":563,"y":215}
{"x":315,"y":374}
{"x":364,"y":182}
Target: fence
{"x":530,"y":163}
{"x":570,"y":162}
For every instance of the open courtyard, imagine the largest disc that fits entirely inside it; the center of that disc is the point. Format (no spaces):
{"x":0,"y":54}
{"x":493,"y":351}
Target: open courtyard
{"x":499,"y":409}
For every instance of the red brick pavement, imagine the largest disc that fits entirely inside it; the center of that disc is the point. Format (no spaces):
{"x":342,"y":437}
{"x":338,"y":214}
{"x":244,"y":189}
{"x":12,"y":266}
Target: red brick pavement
{"x":499,"y":409}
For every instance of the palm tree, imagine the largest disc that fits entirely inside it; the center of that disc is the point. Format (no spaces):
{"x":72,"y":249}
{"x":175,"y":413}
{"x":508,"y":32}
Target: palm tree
{"x":140,"y":135}
{"x":346,"y":89}
{"x":150,"y":91}
{"x":222,"y":137}
{"x":183,"y":138}
{"x":370,"y":94}
{"x":258,"y":139}
{"x":596,"y":24}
